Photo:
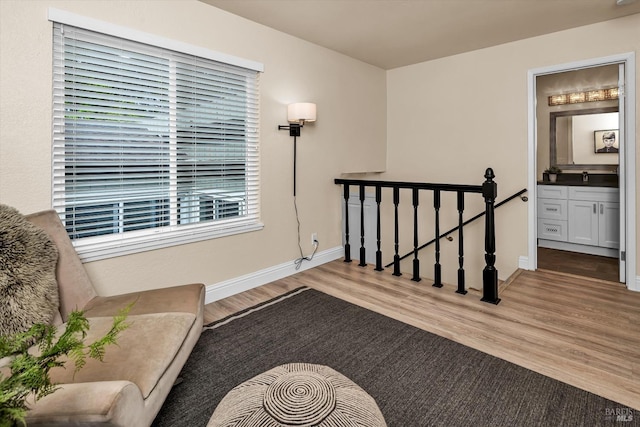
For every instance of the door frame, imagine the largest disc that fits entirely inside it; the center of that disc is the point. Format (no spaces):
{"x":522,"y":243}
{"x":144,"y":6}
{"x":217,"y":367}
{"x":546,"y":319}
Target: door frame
{"x":628,"y":169}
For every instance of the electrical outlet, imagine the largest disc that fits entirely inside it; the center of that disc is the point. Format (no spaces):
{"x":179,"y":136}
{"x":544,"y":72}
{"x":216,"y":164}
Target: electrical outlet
{"x":314,"y":238}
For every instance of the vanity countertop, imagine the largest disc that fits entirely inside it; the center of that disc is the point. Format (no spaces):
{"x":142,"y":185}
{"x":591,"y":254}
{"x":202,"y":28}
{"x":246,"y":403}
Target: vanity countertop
{"x":581,"y":184}
{"x":574,"y":179}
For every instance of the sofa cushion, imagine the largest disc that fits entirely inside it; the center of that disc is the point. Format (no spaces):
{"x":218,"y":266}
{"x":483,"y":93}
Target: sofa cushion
{"x":142,"y":354}
{"x":74,"y":286}
{"x":28,"y":287}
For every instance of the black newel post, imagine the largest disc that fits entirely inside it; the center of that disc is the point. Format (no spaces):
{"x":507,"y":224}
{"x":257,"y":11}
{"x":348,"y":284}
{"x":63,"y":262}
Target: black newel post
{"x":461,"y":282}
{"x":490,"y":274}
{"x":378,"y":252}
{"x":363,"y":261}
{"x":347,"y":246}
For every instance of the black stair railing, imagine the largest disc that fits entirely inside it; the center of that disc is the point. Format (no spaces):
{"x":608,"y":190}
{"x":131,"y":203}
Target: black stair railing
{"x":489,"y":192}
{"x":460,"y":225}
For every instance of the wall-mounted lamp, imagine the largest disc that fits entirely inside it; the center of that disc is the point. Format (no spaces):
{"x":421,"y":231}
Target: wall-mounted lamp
{"x":587,"y":96}
{"x":297,"y":115}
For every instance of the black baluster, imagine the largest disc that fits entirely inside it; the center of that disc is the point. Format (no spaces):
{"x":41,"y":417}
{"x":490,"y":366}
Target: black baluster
{"x":347,"y":246}
{"x":461,"y":281}
{"x":416,"y":261}
{"x":490,"y":274}
{"x":363,"y":261}
{"x":437,"y":268}
{"x":396,"y":257}
{"x":378,"y":252}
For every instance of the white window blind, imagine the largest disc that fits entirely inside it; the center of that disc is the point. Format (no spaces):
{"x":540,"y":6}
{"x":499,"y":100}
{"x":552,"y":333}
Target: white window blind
{"x":151,"y":147}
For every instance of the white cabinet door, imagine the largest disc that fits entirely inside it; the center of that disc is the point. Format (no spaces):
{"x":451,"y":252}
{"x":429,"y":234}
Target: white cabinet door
{"x":608,"y":225}
{"x":583,"y":222}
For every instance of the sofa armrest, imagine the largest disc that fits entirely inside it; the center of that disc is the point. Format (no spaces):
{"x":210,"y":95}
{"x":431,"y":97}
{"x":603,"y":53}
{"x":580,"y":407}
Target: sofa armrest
{"x":175,"y":299}
{"x":104,"y":403}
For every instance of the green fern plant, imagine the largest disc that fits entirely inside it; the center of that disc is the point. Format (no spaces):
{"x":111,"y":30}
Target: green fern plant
{"x":30,"y":372}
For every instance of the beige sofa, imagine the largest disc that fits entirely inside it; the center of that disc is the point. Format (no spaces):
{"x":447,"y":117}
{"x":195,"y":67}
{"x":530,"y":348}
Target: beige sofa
{"x":130,"y":386}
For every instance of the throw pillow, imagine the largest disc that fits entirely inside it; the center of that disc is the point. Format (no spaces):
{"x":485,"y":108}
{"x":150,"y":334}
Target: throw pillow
{"x":28,"y":287}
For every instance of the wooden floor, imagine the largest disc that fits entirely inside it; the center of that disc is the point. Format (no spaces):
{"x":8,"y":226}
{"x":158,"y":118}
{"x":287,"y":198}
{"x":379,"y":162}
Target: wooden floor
{"x":597,"y":267}
{"x":582,"y":331}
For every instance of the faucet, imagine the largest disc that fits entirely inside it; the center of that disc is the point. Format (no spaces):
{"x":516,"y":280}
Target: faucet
{"x":585,"y":176}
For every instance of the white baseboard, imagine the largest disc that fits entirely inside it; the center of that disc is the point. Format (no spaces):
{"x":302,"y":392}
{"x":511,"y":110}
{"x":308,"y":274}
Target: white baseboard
{"x":523,"y":262}
{"x":234,"y":286}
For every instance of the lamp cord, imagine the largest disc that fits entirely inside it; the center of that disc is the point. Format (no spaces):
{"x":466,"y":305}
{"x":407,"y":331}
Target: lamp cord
{"x":298,"y":262}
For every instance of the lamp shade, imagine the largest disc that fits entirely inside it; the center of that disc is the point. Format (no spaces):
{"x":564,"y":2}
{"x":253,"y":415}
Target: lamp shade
{"x":301,"y":112}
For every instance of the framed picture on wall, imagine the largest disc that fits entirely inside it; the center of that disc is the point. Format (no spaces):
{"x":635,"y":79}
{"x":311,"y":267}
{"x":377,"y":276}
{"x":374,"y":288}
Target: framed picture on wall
{"x":605,"y":141}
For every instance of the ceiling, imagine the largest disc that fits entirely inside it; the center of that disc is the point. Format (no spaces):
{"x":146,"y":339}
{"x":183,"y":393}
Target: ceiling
{"x":395,"y":33}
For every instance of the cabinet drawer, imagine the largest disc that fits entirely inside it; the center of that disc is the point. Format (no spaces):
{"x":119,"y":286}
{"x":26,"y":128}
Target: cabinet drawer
{"x":552,"y":191}
{"x":595,"y":194}
{"x":552,"y":209}
{"x":551,"y":229}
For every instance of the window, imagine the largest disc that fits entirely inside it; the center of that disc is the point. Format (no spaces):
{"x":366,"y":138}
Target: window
{"x":151,"y":147}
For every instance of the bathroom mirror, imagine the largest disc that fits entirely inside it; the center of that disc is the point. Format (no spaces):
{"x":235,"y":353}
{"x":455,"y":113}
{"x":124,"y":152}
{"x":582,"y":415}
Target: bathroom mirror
{"x":576,"y":139}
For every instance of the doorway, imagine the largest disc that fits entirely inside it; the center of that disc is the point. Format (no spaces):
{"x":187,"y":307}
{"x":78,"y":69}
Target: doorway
{"x":573,"y":108}
{"x":540,"y":158}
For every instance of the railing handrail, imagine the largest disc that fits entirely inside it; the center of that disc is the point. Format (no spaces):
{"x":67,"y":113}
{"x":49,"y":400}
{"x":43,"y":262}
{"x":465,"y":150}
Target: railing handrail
{"x":470,"y":220}
{"x":411,"y":185}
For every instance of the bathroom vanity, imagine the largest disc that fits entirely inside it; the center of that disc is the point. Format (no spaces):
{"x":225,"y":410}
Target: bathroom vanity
{"x":579,"y":217}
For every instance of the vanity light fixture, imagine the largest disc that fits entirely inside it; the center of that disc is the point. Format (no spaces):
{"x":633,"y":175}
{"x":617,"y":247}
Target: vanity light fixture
{"x":297,"y":115}
{"x":586,"y":96}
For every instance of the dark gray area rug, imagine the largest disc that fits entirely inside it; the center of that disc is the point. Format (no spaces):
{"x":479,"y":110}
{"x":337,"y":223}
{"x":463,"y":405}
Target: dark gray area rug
{"x":417,"y":378}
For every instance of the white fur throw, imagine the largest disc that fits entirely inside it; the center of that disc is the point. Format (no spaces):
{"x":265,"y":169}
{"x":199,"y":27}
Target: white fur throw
{"x":28,"y":287}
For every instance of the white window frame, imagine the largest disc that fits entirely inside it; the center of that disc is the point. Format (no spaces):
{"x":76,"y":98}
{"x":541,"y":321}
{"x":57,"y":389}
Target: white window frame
{"x":101,"y":247}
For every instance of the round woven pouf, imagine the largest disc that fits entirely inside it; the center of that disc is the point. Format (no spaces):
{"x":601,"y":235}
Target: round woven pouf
{"x":298,"y":394}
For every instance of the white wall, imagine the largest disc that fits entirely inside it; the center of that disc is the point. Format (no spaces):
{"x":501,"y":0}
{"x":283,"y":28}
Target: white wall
{"x":450,"y":118}
{"x":294,"y":71}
